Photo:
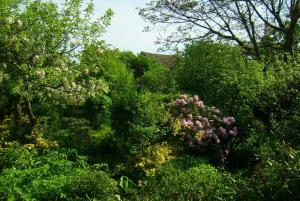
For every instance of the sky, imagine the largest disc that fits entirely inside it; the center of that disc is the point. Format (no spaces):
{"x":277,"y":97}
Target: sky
{"x":126,"y":29}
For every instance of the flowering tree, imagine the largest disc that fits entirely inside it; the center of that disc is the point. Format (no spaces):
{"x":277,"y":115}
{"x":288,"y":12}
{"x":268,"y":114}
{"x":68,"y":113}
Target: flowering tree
{"x":203,"y":127}
{"x":38,"y":57}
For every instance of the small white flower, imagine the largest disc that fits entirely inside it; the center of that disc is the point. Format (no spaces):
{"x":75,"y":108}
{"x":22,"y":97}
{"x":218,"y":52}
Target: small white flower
{"x":100,"y":50}
{"x":93,"y":87}
{"x":118,"y":197}
{"x":40,"y":73}
{"x":4,"y":65}
{"x":9,"y":20}
{"x":25,"y":39}
{"x":73,"y":85}
{"x":35,"y":58}
{"x":19,"y":23}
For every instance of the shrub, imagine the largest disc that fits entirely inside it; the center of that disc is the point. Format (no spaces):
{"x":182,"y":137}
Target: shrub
{"x":154,"y":157}
{"x":120,"y":80}
{"x":158,"y":79}
{"x":98,"y":110}
{"x":199,"y":182}
{"x":212,"y":71}
{"x":203,"y":127}
{"x":277,"y":176}
{"x":138,"y":64}
{"x":239,"y":86}
{"x":52,"y":175}
{"x":73,"y":133}
{"x":150,"y":122}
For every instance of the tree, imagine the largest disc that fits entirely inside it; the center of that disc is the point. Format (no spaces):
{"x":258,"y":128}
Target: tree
{"x":39,"y":48}
{"x":243,"y":22}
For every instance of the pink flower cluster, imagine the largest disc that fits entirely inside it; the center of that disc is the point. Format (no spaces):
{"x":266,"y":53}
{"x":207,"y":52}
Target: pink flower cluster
{"x":183,"y":100}
{"x":203,"y":127}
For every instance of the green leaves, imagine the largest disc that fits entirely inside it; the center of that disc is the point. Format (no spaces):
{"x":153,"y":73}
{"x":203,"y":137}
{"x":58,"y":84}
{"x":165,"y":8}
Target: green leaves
{"x":38,"y":47}
{"x":51,"y":176}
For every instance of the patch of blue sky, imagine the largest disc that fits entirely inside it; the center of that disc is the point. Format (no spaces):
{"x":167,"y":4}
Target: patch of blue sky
{"x":126,"y":31}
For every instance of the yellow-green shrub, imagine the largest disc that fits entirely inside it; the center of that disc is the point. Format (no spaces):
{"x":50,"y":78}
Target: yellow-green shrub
{"x":154,"y":157}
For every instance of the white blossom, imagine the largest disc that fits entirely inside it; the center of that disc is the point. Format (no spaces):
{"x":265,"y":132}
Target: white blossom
{"x":9,"y":20}
{"x":19,"y":23}
{"x":40,"y":73}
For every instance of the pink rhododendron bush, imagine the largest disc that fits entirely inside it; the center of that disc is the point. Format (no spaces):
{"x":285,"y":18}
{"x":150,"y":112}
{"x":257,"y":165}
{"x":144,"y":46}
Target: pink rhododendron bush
{"x":203,"y":127}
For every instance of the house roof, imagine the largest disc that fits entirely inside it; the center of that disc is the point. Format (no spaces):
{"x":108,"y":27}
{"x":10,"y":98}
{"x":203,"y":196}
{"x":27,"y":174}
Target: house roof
{"x":167,"y":60}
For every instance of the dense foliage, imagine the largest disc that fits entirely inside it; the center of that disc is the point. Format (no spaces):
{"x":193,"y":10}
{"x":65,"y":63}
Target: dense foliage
{"x":203,"y":127}
{"x":82,"y":121}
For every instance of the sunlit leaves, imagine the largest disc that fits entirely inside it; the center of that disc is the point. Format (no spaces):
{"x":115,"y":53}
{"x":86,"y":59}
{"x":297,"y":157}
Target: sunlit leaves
{"x":39,"y":49}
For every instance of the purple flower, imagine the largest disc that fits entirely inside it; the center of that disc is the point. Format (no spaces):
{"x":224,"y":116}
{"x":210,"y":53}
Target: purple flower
{"x":185,"y":110}
{"x":184,"y":123}
{"x":180,"y":101}
{"x":206,"y":122}
{"x":190,"y":123}
{"x":228,"y":121}
{"x":222,"y":131}
{"x":209,"y":133}
{"x":200,"y":104}
{"x":216,"y":139}
{"x":231,"y":120}
{"x":232,"y":133}
{"x":196,"y":98}
{"x":198,"y":124}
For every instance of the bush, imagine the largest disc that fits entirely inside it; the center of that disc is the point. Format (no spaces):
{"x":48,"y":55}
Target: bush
{"x":199,"y":182}
{"x":150,"y":122}
{"x":158,"y":79}
{"x":277,"y":176}
{"x":239,"y":86}
{"x":203,"y":127}
{"x":52,"y":175}
{"x":98,"y":110}
{"x":121,"y":83}
{"x":212,"y":71}
{"x":154,"y":157}
{"x":138,"y":64}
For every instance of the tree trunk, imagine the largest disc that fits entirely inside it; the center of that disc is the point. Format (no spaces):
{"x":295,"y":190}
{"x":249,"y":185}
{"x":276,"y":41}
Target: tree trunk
{"x":31,"y":115}
{"x":17,"y":110}
{"x":291,"y":31}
